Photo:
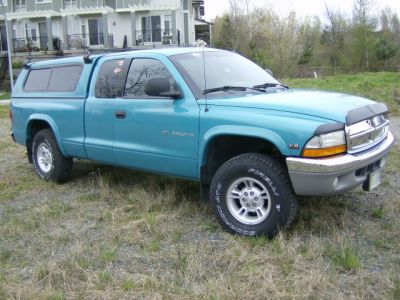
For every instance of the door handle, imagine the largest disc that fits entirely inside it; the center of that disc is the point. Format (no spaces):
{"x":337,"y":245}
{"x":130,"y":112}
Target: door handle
{"x":120,"y":114}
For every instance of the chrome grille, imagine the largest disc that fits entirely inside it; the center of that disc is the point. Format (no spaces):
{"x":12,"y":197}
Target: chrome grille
{"x":367,"y":133}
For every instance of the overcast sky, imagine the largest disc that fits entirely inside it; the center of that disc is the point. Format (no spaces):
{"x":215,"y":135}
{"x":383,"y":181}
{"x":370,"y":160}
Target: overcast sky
{"x":301,"y":7}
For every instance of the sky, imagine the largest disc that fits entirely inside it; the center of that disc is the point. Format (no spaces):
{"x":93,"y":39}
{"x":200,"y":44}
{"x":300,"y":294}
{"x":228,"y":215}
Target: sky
{"x":301,"y":7}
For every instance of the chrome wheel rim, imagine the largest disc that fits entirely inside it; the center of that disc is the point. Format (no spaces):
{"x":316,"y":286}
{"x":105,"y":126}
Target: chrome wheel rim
{"x":44,"y":157}
{"x":248,"y":201}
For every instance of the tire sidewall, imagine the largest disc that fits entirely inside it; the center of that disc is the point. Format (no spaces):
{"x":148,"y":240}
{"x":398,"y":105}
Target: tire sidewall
{"x":280,"y":209}
{"x":38,"y":140}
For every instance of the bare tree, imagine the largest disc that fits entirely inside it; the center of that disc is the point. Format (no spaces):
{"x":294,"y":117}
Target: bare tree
{"x":364,"y":25}
{"x":333,"y":33}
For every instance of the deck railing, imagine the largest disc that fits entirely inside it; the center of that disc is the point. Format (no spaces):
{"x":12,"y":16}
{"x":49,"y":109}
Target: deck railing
{"x":84,"y":41}
{"x":159,"y":36}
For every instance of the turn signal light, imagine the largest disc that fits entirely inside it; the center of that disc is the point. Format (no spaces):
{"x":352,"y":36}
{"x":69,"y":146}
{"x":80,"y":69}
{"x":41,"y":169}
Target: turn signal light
{"x":321,"y":152}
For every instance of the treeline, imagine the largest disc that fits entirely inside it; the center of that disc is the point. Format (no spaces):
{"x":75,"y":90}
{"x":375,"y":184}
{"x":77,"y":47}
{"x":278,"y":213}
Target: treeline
{"x":368,"y":40}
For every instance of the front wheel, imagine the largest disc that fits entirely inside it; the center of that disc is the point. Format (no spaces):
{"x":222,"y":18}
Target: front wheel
{"x":252,"y":195}
{"x":50,"y":164}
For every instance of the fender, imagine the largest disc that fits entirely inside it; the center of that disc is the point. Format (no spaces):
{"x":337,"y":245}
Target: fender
{"x":247,"y":131}
{"x":49,"y":120}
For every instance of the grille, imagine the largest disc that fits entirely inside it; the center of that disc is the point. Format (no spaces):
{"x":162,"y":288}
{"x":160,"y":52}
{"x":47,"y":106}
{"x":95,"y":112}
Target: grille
{"x":367,"y":133}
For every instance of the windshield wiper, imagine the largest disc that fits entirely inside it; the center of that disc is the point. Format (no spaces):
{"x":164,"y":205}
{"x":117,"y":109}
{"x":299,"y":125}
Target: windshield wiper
{"x":227,"y":88}
{"x":269,"y":84}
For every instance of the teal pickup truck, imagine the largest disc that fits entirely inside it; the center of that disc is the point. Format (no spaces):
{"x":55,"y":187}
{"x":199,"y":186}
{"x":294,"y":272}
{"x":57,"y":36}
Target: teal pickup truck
{"x":203,"y":114}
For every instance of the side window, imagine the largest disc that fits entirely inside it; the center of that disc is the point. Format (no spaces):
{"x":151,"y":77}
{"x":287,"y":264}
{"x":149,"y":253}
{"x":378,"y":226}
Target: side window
{"x":140,"y":71}
{"x":111,"y":78}
{"x":64,"y":79}
{"x":37,"y":80}
{"x":57,"y":79}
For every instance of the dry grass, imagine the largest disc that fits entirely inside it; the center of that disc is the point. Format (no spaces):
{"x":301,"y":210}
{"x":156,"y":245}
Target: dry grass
{"x":112,"y":233}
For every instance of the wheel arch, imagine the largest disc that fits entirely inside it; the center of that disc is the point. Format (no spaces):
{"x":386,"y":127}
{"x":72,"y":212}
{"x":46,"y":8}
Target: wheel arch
{"x":225,"y":142}
{"x":37,"y":122}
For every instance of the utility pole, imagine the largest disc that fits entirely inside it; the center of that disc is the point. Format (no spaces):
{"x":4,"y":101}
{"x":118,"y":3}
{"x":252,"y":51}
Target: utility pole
{"x":8,"y":49}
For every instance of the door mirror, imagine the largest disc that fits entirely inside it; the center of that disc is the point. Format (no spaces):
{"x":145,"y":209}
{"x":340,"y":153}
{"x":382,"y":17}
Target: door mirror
{"x":269,"y":72}
{"x":161,"y":87}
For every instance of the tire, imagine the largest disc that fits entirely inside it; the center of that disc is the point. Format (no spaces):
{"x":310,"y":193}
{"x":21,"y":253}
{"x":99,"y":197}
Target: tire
{"x":50,"y":164}
{"x":251,"y":195}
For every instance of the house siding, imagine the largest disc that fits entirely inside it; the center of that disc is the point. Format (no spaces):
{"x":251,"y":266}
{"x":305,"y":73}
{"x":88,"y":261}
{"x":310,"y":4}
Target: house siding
{"x":116,"y":19}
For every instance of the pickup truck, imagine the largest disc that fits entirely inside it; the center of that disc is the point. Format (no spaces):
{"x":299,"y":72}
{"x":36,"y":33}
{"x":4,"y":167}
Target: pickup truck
{"x":207,"y":115}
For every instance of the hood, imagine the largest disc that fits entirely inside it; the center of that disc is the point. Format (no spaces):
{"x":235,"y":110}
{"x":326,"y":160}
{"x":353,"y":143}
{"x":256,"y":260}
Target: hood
{"x":322,"y":104}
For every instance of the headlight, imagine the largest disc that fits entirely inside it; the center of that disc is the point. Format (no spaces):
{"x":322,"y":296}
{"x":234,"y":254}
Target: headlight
{"x":326,"y":145}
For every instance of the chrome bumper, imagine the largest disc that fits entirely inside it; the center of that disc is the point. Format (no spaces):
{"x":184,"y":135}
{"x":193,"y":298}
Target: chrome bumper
{"x":333,"y":175}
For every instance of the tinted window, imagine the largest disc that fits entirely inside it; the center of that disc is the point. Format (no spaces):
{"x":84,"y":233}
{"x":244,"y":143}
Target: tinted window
{"x":64,"y":78}
{"x":111,"y":78}
{"x":140,"y":71}
{"x":37,"y":80}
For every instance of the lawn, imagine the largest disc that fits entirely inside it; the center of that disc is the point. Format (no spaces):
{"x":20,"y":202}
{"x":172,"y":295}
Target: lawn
{"x":112,"y":233}
{"x":384,"y":86}
{"x":5,"y":95}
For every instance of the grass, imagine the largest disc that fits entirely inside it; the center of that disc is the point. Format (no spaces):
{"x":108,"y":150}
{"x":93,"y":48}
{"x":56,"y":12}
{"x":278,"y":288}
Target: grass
{"x":5,"y":95}
{"x":4,"y":111}
{"x":112,"y":233}
{"x":382,"y":87}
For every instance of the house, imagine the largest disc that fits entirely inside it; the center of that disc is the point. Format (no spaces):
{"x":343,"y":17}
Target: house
{"x":79,"y":24}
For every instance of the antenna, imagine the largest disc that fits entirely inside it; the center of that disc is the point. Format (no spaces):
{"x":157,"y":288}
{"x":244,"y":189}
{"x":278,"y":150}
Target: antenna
{"x":205,"y":79}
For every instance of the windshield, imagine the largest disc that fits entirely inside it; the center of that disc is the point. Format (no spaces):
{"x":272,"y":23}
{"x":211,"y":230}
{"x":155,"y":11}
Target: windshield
{"x":222,"y":69}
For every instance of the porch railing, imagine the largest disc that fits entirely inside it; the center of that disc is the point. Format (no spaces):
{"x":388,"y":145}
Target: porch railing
{"x":84,"y":41}
{"x":34,"y":44}
{"x":159,"y":36}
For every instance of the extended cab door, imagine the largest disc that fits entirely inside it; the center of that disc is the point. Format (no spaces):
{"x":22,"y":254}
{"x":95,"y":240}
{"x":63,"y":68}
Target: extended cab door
{"x":157,"y":134}
{"x":109,"y":80}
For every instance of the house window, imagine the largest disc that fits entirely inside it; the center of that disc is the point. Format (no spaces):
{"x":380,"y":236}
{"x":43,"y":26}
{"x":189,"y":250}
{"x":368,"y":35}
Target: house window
{"x":70,"y":4}
{"x":30,"y":33}
{"x":167,"y":25}
{"x":151,"y":29}
{"x":20,"y":3}
{"x":185,"y":5}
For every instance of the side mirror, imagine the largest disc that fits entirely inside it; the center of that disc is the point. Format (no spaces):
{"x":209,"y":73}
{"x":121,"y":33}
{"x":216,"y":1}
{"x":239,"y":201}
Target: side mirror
{"x":269,"y":72}
{"x":160,"y":87}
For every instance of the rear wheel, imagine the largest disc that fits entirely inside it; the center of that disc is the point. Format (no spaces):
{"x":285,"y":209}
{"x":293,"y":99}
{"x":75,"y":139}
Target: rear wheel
{"x":252,"y":195}
{"x":50,"y":164}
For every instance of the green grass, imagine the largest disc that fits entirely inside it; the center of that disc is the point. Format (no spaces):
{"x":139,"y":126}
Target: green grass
{"x":4,"y":111}
{"x":5,"y":95}
{"x":383,"y":87}
{"x":345,"y":257}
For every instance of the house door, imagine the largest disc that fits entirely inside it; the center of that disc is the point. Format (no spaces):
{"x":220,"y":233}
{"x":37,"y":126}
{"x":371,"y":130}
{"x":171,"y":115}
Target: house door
{"x":95,"y":35}
{"x":43,"y":35}
{"x":156,"y":27}
{"x":3,"y":37}
{"x":151,"y":29}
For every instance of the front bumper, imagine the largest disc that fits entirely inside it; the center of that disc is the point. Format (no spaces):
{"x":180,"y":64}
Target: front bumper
{"x":334,"y":175}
